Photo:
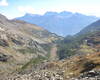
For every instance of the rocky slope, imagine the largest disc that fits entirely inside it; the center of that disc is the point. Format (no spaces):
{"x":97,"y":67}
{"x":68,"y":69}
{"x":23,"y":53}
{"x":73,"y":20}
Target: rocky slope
{"x":21,"y":42}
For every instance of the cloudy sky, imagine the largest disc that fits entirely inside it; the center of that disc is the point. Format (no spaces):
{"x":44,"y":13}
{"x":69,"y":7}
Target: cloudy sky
{"x":16,"y":8}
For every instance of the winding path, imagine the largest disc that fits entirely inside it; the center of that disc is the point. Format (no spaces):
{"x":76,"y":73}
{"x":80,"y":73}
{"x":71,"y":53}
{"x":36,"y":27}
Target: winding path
{"x":53,"y":52}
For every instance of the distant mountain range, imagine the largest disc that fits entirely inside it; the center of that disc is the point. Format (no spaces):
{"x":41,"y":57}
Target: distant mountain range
{"x":63,"y":23}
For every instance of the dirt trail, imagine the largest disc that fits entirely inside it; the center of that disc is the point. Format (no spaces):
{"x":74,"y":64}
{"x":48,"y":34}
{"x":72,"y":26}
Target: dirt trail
{"x":53,"y":52}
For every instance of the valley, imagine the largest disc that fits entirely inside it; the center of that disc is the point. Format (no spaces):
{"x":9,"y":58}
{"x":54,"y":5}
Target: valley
{"x":30,"y":52}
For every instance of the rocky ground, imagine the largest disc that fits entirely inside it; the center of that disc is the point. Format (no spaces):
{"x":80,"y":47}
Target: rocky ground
{"x":39,"y":75}
{"x":48,"y":75}
{"x":91,"y":75}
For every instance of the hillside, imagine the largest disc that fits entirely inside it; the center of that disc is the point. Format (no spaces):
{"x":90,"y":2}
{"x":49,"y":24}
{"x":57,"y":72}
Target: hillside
{"x":84,"y":65}
{"x":63,"y":23}
{"x":94,"y":27}
{"x":21,"y":42}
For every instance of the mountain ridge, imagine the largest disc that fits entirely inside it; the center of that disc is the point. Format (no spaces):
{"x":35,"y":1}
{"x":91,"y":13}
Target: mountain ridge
{"x":94,"y":27}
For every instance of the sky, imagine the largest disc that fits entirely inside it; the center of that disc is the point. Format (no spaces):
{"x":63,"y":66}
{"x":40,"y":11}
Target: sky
{"x":17,"y":8}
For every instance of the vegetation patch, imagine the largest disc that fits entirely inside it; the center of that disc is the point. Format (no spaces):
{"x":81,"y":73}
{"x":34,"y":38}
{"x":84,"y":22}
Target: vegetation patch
{"x":33,"y":62}
{"x":27,"y":50}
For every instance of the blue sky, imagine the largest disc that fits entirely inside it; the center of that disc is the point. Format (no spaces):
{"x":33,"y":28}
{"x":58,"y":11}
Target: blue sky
{"x":16,"y":8}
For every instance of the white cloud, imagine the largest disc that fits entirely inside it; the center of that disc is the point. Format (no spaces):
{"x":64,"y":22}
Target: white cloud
{"x":25,"y":9}
{"x":3,"y":3}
